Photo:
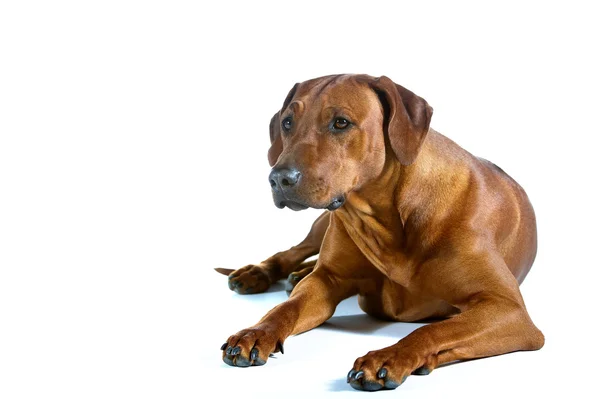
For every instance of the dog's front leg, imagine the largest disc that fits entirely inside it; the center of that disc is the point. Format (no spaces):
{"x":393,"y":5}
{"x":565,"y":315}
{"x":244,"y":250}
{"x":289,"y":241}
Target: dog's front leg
{"x":338,"y":274}
{"x":312,"y":302}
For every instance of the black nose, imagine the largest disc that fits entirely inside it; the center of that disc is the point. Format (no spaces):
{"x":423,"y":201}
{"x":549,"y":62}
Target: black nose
{"x":284,"y":178}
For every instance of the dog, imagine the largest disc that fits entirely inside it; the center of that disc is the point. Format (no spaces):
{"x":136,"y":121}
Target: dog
{"x":414,"y":225}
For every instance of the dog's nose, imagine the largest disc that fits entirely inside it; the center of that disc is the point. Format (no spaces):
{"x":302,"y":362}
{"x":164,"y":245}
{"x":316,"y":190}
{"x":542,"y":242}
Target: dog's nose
{"x":283,"y":178}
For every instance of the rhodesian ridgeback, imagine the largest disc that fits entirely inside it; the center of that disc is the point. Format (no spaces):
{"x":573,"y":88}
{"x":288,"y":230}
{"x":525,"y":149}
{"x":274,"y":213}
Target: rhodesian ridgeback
{"x":416,"y":226}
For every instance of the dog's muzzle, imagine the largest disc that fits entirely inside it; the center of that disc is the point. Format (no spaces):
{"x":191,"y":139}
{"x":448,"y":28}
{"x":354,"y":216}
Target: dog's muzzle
{"x":284,"y":183}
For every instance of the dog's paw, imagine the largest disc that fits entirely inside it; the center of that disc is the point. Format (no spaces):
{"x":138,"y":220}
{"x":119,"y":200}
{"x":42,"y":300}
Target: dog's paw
{"x":295,"y":277}
{"x":385,"y":369}
{"x":250,"y":347}
{"x":251,"y":279}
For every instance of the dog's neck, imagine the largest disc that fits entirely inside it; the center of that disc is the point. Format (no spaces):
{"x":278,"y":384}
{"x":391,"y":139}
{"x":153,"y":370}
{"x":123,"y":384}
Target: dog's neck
{"x":389,"y":215}
{"x":372,"y":206}
{"x":378,"y":195}
{"x":399,"y":189}
{"x":431,"y":183}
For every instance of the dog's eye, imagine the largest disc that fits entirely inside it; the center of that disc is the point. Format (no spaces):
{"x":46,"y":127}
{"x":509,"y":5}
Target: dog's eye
{"x":340,"y":124}
{"x":286,"y":124}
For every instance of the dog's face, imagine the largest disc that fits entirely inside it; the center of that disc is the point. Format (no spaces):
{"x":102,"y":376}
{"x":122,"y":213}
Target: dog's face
{"x":332,"y":141}
{"x":330,"y":138}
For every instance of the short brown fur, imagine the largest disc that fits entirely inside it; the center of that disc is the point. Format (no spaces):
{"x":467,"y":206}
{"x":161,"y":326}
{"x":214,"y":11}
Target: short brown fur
{"x":426,"y":230}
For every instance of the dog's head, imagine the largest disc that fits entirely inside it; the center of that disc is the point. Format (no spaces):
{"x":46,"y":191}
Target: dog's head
{"x":334,"y":134}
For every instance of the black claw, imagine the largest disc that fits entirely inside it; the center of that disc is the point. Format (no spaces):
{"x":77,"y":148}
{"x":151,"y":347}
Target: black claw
{"x":253,"y":354}
{"x":359,"y":375}
{"x":224,"y":346}
{"x":236,"y":351}
{"x":279,"y":347}
{"x":229,"y":349}
{"x":422,"y":371}
{"x":351,"y":375}
{"x":382,"y":373}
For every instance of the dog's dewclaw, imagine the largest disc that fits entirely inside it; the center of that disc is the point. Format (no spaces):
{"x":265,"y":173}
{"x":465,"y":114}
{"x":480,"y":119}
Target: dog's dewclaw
{"x":224,"y":271}
{"x":279,"y":347}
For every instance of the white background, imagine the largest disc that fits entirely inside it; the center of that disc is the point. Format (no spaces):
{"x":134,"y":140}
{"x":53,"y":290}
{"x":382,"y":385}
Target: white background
{"x":133,"y":141}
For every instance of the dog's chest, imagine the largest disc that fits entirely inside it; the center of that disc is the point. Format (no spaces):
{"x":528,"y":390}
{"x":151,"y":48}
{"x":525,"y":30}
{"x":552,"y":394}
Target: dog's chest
{"x":379,"y":240}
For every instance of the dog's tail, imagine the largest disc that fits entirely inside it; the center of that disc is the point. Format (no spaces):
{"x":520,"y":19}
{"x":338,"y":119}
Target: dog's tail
{"x":226,"y":272}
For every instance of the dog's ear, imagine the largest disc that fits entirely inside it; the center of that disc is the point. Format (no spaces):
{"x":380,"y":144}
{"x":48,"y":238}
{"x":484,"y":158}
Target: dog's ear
{"x":275,"y":129}
{"x":407,"y":118}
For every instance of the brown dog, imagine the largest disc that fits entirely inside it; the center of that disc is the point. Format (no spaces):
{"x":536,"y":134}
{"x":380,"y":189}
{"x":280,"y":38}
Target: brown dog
{"x":419,"y":229}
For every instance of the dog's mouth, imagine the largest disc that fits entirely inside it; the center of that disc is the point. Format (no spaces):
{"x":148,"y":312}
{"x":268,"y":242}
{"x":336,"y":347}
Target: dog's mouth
{"x":294,"y":206}
{"x":336,"y":203}
{"x":297,"y":206}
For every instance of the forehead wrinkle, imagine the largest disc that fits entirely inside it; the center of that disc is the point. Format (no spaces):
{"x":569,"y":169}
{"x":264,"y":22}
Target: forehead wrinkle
{"x":297,"y":107}
{"x":355,"y":101}
{"x":320,"y":88}
{"x":339,"y":93}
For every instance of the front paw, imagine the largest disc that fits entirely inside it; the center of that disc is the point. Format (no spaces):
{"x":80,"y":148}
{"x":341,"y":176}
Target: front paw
{"x":251,"y":279}
{"x":250,"y":347}
{"x":385,"y":369}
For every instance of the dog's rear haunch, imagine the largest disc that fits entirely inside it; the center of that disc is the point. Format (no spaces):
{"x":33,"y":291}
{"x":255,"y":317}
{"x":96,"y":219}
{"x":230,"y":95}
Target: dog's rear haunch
{"x":416,"y":226}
